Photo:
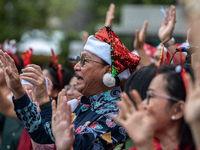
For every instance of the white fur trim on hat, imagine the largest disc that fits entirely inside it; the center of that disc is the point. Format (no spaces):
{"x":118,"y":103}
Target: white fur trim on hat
{"x":98,"y":48}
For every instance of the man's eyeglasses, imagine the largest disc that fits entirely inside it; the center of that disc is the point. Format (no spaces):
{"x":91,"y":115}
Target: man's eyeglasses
{"x":152,"y":94}
{"x":82,"y":60}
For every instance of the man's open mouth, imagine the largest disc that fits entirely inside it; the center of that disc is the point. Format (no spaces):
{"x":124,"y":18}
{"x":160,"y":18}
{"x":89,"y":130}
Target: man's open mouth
{"x":79,"y":77}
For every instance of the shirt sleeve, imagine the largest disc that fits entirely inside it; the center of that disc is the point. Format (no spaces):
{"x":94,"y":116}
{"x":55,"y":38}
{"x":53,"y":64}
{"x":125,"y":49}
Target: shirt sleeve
{"x":38,"y":125}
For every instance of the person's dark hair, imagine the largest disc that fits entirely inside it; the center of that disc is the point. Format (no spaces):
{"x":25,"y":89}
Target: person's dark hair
{"x":104,"y":62}
{"x":18,"y":62}
{"x":175,"y":88}
{"x":66,"y":77}
{"x":140,"y":80}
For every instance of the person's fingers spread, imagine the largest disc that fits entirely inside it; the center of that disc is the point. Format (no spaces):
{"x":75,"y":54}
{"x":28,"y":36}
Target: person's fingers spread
{"x":137,"y":35}
{"x":121,"y":113}
{"x":36,"y":83}
{"x":2,"y":58}
{"x":69,"y":116}
{"x":10,"y":61}
{"x":164,"y":22}
{"x":64,"y":110}
{"x":173,"y":13}
{"x":144,"y":28}
{"x":112,"y":8}
{"x":53,"y":103}
{"x":1,"y":65}
{"x":32,"y":70}
{"x":167,"y":13}
{"x":128,"y":103}
{"x":131,"y":105}
{"x":38,"y":68}
{"x":59,"y":100}
{"x":31,"y":75}
{"x":63,"y":92}
{"x":9,"y":72}
{"x":135,"y":43}
{"x":137,"y":100}
{"x":58,"y":118}
{"x":123,"y":106}
{"x":118,"y":120}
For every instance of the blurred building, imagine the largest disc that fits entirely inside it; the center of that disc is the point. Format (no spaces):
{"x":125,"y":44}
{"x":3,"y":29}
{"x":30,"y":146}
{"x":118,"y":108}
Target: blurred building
{"x":133,"y":16}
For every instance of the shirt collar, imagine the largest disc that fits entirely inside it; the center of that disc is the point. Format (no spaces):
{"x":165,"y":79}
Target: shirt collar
{"x":98,"y":100}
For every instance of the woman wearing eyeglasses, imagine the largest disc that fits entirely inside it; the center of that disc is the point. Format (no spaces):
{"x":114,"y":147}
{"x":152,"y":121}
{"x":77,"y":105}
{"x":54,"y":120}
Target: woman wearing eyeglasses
{"x":158,"y":122}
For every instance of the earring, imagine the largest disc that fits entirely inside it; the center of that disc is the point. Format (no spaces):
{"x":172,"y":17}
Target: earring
{"x":173,"y":117}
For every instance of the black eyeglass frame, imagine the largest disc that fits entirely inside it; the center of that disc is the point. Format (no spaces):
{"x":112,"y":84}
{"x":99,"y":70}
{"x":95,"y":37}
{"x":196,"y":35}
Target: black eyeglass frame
{"x":82,"y":60}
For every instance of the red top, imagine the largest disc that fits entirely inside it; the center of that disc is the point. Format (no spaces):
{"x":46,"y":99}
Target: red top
{"x":158,"y":146}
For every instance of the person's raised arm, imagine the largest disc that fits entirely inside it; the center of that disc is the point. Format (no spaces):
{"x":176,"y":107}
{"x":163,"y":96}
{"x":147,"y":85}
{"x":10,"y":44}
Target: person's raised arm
{"x":11,"y":75}
{"x":110,"y":16}
{"x":166,"y":30}
{"x":192,"y":113}
{"x":140,"y":37}
{"x":192,"y":108}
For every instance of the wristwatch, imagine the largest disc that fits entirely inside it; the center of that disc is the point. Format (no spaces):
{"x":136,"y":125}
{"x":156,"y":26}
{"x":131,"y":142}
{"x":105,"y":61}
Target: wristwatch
{"x":169,"y":42}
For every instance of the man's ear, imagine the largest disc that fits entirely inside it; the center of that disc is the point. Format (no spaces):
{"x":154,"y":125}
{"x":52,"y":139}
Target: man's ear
{"x":107,"y":69}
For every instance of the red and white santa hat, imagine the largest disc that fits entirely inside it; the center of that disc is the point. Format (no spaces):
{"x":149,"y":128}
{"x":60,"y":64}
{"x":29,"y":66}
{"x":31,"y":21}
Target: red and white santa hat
{"x":106,"y":45}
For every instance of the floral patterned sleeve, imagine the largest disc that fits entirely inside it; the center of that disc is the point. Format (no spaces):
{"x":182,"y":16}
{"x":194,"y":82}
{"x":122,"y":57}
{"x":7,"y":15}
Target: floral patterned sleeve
{"x":38,"y":125}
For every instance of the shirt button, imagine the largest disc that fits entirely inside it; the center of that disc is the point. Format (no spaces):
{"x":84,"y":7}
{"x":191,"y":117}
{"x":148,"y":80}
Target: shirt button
{"x":8,"y":146}
{"x":13,"y":134}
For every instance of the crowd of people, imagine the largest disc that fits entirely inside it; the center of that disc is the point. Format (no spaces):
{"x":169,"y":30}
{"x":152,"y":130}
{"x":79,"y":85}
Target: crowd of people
{"x":147,"y":99}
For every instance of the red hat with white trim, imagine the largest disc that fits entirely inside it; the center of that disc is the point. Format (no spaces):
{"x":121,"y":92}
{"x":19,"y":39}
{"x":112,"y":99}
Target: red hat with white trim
{"x":106,"y":45}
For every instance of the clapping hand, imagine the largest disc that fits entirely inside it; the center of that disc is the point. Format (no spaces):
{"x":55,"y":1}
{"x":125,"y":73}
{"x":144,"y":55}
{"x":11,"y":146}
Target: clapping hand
{"x":33,"y":74}
{"x":11,"y":75}
{"x":138,"y":122}
{"x":61,"y":123}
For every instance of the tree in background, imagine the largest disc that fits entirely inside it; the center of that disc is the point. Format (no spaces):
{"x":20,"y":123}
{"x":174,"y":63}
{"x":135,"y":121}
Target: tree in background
{"x":18,"y":16}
